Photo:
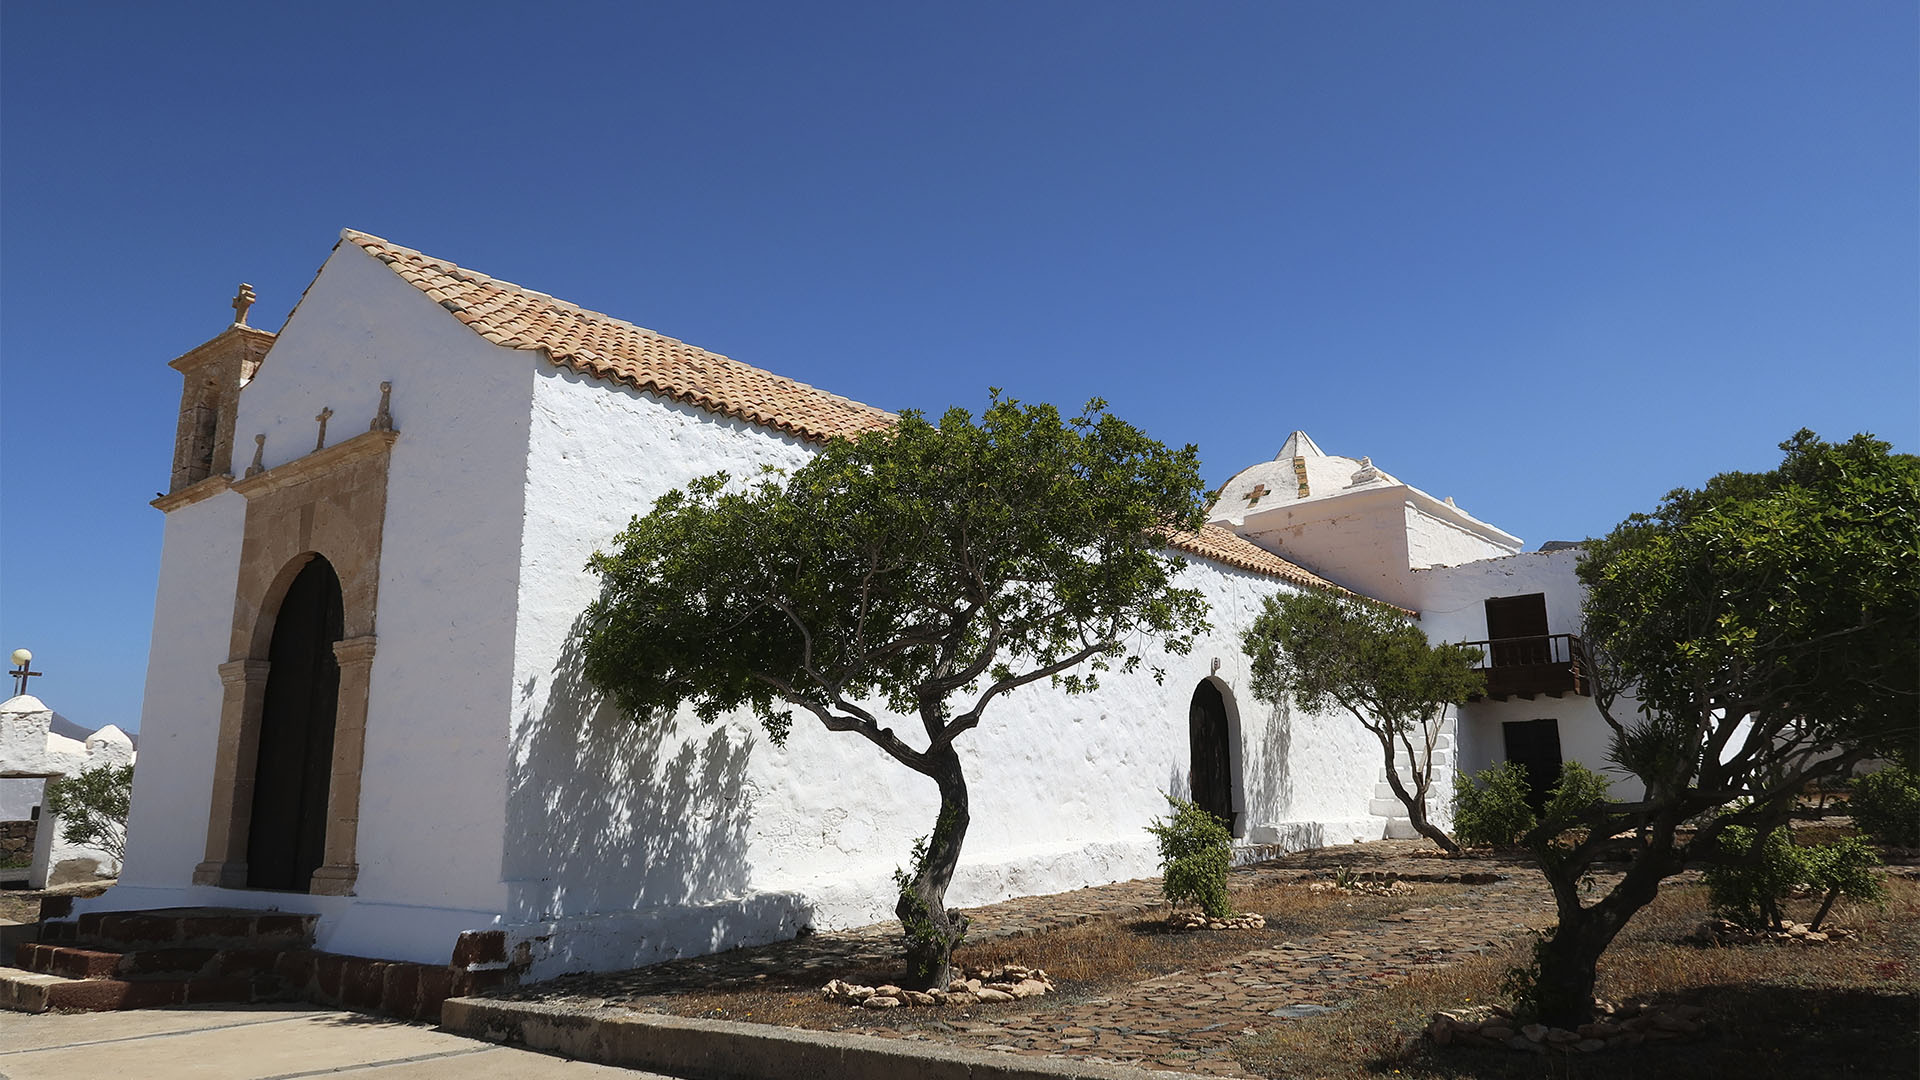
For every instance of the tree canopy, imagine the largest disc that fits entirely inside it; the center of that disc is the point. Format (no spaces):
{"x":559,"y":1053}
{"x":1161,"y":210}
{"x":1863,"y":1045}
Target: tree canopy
{"x":920,"y":571}
{"x":1325,"y":649}
{"x":1744,"y":639}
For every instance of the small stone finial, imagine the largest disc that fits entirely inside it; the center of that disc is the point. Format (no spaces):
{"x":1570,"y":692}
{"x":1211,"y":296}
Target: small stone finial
{"x":321,"y":442}
{"x":383,"y":420}
{"x":259,"y":450}
{"x":1366,"y":474}
{"x":242,"y":300}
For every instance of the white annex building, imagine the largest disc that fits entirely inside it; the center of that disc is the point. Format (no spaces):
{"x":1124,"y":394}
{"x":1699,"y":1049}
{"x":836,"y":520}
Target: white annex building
{"x":364,"y":701}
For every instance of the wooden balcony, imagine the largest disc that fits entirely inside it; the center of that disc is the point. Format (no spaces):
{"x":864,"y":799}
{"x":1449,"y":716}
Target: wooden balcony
{"x":1527,"y":667}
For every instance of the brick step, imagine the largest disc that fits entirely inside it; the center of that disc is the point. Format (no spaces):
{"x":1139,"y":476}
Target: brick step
{"x":34,"y":992}
{"x":204,"y":928}
{"x":75,"y":962}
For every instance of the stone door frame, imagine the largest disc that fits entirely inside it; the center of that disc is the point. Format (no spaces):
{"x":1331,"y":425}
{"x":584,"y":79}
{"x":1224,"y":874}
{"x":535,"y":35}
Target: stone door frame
{"x":332,"y":503}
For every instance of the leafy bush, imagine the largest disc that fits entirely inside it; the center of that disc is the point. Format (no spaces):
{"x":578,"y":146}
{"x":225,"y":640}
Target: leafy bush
{"x":92,"y":807}
{"x":1195,"y":852}
{"x":1491,"y":806}
{"x":1843,"y":867}
{"x":1751,"y":889}
{"x":1886,"y":806}
{"x":1579,"y":788}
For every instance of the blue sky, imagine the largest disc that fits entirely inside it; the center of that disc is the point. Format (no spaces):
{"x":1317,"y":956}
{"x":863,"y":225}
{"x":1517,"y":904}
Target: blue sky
{"x":1550,"y":259}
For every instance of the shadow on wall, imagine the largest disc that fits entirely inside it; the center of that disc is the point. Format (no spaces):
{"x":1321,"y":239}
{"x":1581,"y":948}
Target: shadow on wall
{"x":1276,"y":755}
{"x":605,"y":815}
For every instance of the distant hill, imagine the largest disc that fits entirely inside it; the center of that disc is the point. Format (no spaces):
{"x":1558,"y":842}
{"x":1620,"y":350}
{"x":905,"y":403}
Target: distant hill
{"x":63,"y":726}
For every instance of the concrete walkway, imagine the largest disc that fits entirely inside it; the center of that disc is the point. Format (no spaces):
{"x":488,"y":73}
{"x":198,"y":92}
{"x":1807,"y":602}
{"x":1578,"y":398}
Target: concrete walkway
{"x":263,"y":1042}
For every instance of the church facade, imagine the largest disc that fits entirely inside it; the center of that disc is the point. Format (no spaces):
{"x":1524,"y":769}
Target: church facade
{"x":364,"y":701}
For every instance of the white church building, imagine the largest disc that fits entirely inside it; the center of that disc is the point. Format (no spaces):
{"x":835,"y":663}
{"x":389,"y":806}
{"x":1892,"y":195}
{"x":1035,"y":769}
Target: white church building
{"x":1469,"y":582}
{"x":364,"y":701}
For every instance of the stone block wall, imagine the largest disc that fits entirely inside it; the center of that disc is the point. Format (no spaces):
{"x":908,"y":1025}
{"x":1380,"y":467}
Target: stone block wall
{"x":16,"y":841}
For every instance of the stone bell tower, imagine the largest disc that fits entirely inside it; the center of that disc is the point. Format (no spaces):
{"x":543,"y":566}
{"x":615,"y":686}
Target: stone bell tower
{"x":214,"y":373}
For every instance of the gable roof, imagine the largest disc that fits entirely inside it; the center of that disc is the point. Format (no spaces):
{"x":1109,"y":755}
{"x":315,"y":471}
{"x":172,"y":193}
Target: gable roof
{"x":604,"y":347}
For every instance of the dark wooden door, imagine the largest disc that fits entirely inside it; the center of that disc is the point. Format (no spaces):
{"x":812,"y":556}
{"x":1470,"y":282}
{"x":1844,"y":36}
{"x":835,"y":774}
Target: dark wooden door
{"x":287,"y":839}
{"x":1535,"y":746}
{"x":1212,"y":765}
{"x":1518,"y":617}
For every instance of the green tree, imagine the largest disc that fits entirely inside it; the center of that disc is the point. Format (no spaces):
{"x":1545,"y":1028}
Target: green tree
{"x":1744,"y":639}
{"x":91,"y":807}
{"x":1327,"y":649}
{"x":921,"y":572}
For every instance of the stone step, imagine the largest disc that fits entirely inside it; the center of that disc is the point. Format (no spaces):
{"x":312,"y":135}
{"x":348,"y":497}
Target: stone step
{"x":34,"y":992}
{"x":1401,"y":829}
{"x":26,"y":991}
{"x":80,"y":963}
{"x":204,"y":928}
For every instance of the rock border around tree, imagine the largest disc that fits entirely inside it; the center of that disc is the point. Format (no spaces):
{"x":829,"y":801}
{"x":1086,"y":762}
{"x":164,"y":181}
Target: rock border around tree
{"x":1008,"y":982}
{"x":1185,"y":922}
{"x":1612,"y":1028}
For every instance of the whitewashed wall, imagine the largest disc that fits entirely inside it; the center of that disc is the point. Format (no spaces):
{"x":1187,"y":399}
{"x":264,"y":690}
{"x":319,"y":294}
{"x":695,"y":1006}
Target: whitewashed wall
{"x":433,"y":788}
{"x":18,"y":797}
{"x":180,"y":713}
{"x":1358,"y":541}
{"x":627,"y":846}
{"x":58,"y":861}
{"x":1453,"y":608}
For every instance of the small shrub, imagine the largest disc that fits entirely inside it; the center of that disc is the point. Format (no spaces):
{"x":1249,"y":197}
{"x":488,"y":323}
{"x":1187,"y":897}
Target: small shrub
{"x":1844,"y":867}
{"x":1749,"y":889}
{"x":1195,"y":853}
{"x":92,"y":807}
{"x":1886,"y":806}
{"x":1579,"y":788}
{"x":1491,"y":806}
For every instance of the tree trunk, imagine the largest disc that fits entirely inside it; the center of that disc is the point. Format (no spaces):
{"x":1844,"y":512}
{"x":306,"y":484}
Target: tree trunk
{"x":1825,"y":906}
{"x":932,"y":931}
{"x":1563,"y":988}
{"x":1416,"y":804}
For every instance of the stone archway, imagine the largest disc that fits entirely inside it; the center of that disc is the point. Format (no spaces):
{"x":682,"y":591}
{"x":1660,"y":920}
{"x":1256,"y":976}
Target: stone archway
{"x":1210,"y":743}
{"x":287,"y":830}
{"x":326,"y":508}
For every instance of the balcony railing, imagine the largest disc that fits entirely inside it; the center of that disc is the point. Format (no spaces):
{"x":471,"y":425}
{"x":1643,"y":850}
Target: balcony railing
{"x":1526,"y":667}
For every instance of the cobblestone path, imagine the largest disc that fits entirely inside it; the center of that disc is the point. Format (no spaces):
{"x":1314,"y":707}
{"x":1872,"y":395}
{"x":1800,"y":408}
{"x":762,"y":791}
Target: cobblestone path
{"x":1185,"y":1020}
{"x":1188,"y":1021}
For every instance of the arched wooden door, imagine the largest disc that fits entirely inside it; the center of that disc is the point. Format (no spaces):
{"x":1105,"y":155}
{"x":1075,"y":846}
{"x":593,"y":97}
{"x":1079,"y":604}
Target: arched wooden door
{"x":287,"y":839}
{"x":1212,"y":763}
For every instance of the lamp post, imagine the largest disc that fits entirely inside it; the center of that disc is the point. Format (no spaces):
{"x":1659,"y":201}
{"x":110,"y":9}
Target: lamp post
{"x":21,"y":658}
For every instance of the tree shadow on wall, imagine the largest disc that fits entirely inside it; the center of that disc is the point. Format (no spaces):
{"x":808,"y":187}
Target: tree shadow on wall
{"x":605,"y":815}
{"x":1276,"y":755}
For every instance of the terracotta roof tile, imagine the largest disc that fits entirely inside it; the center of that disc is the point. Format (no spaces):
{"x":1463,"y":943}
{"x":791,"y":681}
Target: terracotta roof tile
{"x":608,"y":348}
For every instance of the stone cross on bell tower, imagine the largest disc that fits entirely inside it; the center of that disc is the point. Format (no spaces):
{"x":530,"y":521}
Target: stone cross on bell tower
{"x":242,"y":301}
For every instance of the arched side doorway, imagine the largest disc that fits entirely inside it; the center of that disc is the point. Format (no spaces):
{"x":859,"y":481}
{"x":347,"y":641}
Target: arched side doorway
{"x":1211,"y":745}
{"x":287,"y":835}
